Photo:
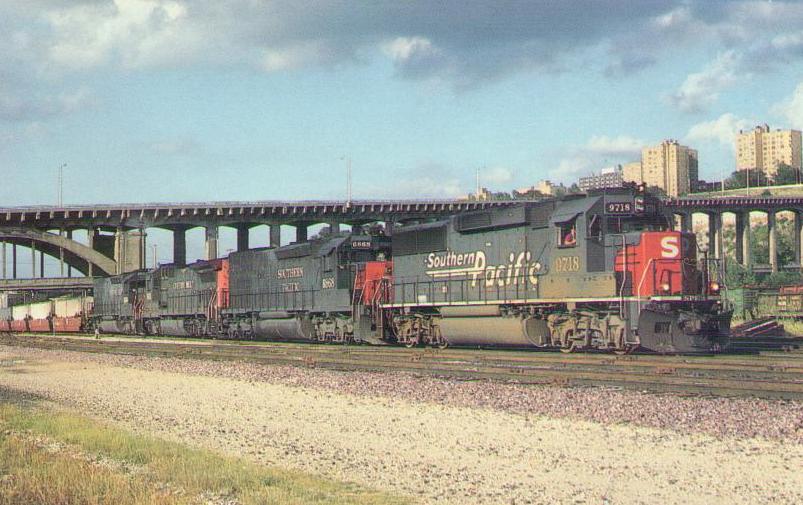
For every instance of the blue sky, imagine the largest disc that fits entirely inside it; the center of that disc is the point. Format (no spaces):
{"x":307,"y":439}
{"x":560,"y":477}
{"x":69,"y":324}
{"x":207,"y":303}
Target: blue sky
{"x":176,"y":100}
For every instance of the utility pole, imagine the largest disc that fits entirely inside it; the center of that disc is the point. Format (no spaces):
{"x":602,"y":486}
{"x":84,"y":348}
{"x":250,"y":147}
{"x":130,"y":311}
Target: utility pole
{"x":348,"y":179}
{"x":155,"y":257}
{"x":478,"y":184}
{"x":348,"y":176}
{"x":60,"y":189}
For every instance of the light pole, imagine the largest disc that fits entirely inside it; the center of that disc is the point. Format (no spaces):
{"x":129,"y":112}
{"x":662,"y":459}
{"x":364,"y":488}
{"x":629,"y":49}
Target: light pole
{"x":348,"y":179}
{"x":60,"y":189}
{"x":155,"y":257}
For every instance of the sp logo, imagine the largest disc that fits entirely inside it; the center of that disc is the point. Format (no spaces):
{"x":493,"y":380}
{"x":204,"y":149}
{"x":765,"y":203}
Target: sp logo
{"x":670,"y":247}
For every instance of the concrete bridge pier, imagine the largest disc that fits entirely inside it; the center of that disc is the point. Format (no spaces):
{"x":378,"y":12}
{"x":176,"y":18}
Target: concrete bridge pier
{"x":179,"y":245}
{"x":742,"y":245}
{"x":275,"y":238}
{"x":772,"y":230}
{"x":210,"y":245}
{"x":798,"y":246}
{"x":715,"y":235}
{"x":334,"y":227}
{"x":242,"y":236}
{"x":33,"y":259}
{"x":685,"y":222}
{"x":301,"y":232}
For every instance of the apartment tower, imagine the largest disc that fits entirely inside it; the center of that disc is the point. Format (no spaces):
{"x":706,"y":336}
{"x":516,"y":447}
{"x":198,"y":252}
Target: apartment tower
{"x":763,"y":149}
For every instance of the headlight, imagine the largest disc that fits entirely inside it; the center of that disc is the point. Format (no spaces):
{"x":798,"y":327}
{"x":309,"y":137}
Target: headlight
{"x":713,"y":288}
{"x":665,"y":287}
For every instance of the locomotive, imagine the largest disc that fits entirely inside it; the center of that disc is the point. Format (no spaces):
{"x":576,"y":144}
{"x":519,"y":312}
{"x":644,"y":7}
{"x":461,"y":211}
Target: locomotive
{"x":603,"y":271}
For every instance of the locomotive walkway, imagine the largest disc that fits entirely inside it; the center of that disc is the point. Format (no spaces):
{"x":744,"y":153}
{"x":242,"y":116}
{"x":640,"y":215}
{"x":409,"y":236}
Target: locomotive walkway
{"x":762,"y":375}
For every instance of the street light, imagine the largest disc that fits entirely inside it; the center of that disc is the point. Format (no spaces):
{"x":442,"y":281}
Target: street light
{"x":60,"y":188}
{"x":348,"y":179}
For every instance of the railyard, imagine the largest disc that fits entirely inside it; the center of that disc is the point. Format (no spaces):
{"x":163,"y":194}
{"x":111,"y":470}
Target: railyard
{"x":444,"y":436}
{"x":762,"y":374}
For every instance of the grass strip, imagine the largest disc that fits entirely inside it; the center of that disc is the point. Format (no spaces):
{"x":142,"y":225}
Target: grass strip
{"x":172,"y":472}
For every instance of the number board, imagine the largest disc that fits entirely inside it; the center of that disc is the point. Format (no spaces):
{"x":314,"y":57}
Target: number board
{"x":360,"y":244}
{"x":619,"y":208}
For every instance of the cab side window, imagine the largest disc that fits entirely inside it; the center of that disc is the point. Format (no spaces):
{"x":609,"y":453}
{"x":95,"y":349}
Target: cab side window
{"x":595,"y":228}
{"x":567,"y":233}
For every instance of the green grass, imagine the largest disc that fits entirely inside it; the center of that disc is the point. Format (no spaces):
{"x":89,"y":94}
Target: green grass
{"x":788,"y":190}
{"x":171,"y":473}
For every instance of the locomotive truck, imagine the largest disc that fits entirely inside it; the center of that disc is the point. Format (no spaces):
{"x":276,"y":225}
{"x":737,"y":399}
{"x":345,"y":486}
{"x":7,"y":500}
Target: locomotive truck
{"x":600,"y":271}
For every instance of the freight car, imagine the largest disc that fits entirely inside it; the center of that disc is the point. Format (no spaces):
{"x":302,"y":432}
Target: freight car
{"x":64,"y":314}
{"x":599,"y":271}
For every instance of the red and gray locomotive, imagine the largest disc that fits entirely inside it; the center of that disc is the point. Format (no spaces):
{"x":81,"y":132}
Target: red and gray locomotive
{"x":599,"y":271}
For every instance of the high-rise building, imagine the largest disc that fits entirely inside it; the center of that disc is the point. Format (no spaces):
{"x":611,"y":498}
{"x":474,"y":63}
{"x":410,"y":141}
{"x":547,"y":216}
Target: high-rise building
{"x":764,"y":150}
{"x":610,"y":177}
{"x":668,"y":166}
{"x":631,"y":172}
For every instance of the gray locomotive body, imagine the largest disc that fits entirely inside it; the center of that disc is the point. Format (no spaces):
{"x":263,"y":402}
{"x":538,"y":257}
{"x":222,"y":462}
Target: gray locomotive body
{"x":601,"y":271}
{"x":169,"y":300}
{"x":302,"y":291}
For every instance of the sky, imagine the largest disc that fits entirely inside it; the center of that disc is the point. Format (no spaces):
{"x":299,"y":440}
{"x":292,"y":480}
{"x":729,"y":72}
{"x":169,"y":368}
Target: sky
{"x":180,"y":100}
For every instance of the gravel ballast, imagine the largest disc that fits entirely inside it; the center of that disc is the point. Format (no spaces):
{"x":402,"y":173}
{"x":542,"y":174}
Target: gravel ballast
{"x":443,"y":441}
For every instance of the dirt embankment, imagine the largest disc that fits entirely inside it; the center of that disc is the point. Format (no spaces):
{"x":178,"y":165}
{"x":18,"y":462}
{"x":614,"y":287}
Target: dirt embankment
{"x":442,"y":442}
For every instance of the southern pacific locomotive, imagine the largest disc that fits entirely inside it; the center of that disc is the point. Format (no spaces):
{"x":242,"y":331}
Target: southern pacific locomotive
{"x":600,"y":271}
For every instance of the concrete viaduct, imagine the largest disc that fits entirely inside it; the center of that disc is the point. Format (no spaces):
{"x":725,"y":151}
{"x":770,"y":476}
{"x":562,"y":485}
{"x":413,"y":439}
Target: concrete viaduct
{"x":742,"y":207}
{"x":115,"y":233}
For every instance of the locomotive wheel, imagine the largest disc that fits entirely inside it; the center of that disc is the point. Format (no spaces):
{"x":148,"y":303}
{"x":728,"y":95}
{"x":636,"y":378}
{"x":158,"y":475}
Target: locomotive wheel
{"x":627,"y":350}
{"x":569,"y":348}
{"x":443,"y":344}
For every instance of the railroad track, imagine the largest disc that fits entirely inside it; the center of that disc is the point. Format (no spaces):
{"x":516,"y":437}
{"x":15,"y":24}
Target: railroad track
{"x":764,"y":375}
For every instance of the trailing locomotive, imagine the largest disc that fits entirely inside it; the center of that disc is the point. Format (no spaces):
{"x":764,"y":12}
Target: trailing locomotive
{"x":599,"y":271}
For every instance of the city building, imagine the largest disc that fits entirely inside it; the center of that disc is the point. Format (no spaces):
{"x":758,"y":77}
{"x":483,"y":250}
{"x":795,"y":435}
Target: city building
{"x":545,"y":187}
{"x":669,"y":165}
{"x":763,"y":149}
{"x":610,"y":177}
{"x":631,"y":172}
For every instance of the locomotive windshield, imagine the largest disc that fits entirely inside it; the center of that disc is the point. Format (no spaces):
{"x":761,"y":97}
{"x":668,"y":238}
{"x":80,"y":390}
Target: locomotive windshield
{"x":625,"y":224}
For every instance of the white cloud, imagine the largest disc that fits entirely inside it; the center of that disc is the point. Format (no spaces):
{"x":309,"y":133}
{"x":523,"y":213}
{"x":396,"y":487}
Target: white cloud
{"x":496,"y":176}
{"x":599,"y":152}
{"x":620,"y":146}
{"x":139,"y":33}
{"x":406,"y":48}
{"x":700,"y":90}
{"x":16,"y":106}
{"x":792,"y":108}
{"x":722,"y":129}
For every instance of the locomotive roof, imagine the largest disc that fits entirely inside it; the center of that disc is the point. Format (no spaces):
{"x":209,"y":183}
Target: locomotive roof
{"x":569,"y":209}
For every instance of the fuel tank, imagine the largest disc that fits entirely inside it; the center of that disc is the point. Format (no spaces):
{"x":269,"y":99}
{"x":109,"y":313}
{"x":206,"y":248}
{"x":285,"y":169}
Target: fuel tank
{"x":115,"y":326}
{"x":173,"y":327}
{"x":485,"y":326}
{"x":282,"y":326}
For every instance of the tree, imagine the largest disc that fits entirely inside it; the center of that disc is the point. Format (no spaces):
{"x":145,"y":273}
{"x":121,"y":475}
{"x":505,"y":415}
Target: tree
{"x":738,"y":179}
{"x":786,"y":175}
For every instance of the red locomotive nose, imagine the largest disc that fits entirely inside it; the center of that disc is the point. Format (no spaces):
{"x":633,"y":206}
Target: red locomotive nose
{"x":662,"y":263}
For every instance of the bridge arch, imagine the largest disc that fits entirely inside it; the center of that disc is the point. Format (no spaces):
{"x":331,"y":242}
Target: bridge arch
{"x":76,"y":255}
